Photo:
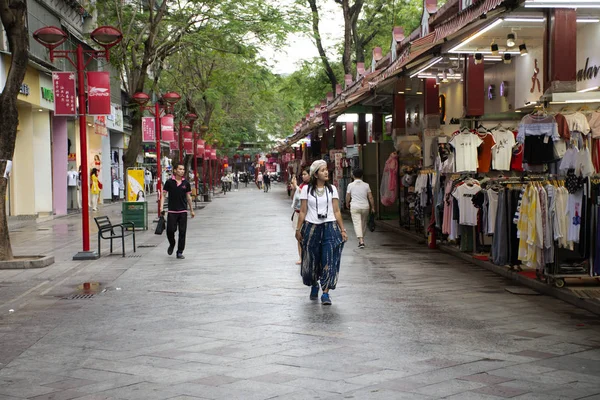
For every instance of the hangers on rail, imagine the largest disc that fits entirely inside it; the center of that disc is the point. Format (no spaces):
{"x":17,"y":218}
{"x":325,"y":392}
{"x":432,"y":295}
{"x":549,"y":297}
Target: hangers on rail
{"x":464,"y":129}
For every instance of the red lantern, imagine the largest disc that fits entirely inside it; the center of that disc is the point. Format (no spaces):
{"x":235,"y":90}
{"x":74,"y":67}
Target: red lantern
{"x":268,"y":155}
{"x":236,"y":156}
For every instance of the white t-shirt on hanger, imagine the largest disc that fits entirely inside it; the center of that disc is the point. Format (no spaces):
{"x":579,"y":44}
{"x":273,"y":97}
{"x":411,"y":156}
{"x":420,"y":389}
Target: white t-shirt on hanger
{"x":465,"y":149}
{"x":502,"y":152}
{"x":72,"y":178}
{"x":468,"y":212}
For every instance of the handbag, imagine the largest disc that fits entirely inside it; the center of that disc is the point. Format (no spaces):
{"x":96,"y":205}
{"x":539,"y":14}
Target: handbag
{"x":371,"y":223}
{"x":100,"y":185}
{"x":160,"y":226}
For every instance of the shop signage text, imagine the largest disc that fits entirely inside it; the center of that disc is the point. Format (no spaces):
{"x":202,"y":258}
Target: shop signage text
{"x":588,"y":72}
{"x":48,"y":94}
{"x":98,"y":92}
{"x":148,"y":133}
{"x":64,"y":88}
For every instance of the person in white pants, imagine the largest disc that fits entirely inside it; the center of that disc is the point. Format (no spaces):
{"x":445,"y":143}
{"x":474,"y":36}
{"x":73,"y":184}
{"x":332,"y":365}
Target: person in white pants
{"x":360,"y":200}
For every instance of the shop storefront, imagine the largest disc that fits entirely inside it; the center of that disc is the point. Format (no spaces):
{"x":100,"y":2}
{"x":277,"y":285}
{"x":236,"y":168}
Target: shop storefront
{"x":493,"y":118}
{"x":30,"y":185}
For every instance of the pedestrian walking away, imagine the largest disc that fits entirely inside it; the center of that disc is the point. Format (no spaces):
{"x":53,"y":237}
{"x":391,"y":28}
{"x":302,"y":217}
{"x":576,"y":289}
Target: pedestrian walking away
{"x":179,"y":191}
{"x":321,"y":233}
{"x":95,"y":188}
{"x":360,"y":200}
{"x":296,"y":203}
{"x":259,"y":180}
{"x":267,"y":182}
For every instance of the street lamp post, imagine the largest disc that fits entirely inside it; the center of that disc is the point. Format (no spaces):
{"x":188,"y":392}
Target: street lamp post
{"x":170,"y":99}
{"x":106,"y":36}
{"x":197,"y":136}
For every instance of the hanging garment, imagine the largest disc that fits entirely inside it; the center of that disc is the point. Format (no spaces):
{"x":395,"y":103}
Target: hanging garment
{"x":464,"y":194}
{"x":465,"y":151}
{"x":503,"y":150}
{"x":500,"y":241}
{"x":389,"y":181}
{"x":484,"y":156}
{"x":574,"y":210}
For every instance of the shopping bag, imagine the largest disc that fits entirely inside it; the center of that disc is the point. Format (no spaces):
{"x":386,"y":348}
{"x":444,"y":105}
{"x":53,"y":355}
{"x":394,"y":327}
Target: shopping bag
{"x":371,"y":223}
{"x":160,"y":226}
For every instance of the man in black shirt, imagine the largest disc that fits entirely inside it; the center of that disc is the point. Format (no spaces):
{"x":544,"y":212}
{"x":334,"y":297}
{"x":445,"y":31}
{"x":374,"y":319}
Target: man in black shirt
{"x":179,"y":191}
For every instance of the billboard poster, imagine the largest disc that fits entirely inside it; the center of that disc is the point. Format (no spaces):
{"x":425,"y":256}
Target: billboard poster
{"x":64,"y":93}
{"x":98,"y":89}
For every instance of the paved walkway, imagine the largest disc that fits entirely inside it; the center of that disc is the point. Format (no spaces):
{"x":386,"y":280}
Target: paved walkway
{"x":233,"y":321}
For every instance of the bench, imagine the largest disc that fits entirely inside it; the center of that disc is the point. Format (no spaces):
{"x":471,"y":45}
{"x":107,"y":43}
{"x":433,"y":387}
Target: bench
{"x":106,"y":231}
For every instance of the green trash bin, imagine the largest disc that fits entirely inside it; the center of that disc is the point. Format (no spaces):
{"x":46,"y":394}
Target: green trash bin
{"x":136,"y":212}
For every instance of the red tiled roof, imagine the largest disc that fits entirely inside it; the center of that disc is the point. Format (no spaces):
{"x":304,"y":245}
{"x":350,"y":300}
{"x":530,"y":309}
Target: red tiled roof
{"x":465,"y":17}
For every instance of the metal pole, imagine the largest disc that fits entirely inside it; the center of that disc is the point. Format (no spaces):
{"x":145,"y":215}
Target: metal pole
{"x":180,"y":142}
{"x":196,"y":165}
{"x":158,"y":166}
{"x":86,"y":254}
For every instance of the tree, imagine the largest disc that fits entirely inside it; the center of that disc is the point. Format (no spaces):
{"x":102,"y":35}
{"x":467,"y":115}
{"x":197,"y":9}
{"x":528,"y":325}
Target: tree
{"x":13,"y":14}
{"x":317,"y":36}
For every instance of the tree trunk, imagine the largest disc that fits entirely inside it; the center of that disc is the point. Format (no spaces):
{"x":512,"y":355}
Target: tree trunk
{"x":347,"y":54}
{"x":13,"y":14}
{"x":317,"y":36}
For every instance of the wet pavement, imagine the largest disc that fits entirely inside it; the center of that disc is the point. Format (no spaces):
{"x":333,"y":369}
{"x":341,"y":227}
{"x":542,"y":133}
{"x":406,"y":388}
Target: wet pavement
{"x":233,"y":320}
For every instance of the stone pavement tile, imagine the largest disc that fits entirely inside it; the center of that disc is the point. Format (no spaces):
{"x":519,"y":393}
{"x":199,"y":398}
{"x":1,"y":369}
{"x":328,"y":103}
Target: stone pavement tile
{"x":321,"y":384}
{"x":381,"y":394}
{"x":214,"y":392}
{"x":186,"y":398}
{"x":215,"y":380}
{"x":530,"y":386}
{"x":247,"y":373}
{"x":317,"y":373}
{"x":400,"y":385}
{"x":576,"y":390}
{"x":3,"y":397}
{"x":153,"y":361}
{"x":594,"y":397}
{"x":374,"y":378}
{"x":472,"y":396}
{"x":529,"y":334}
{"x":306,"y":394}
{"x":70,"y":383}
{"x":501,"y":391}
{"x":140,"y":391}
{"x":25,"y":391}
{"x":534,"y":354}
{"x":572,"y":363}
{"x":488,"y":379}
{"x":542,"y":396}
{"x":203,"y":369}
{"x":275,"y":377}
{"x":265,"y":388}
{"x":97,"y":397}
{"x":62,"y":395}
{"x":589,"y":354}
{"x":448,"y":388}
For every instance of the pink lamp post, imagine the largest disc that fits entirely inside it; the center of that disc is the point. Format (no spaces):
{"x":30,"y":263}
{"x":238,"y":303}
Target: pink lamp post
{"x":170,"y":99}
{"x":106,"y":36}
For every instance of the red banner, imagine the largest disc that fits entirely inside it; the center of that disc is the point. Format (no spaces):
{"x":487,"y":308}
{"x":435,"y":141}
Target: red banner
{"x":98,"y":86}
{"x":188,"y":145}
{"x":213,"y":154}
{"x":167,"y":128}
{"x":200,"y":148}
{"x":148,"y":131}
{"x":174,"y":145}
{"x":207,"y":151}
{"x":188,"y":135}
{"x":64,"y":93}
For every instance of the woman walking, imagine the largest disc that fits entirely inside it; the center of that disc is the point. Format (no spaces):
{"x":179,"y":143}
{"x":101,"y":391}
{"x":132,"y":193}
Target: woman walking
{"x":321,"y":233}
{"x":360,"y":199}
{"x":296,"y":203}
{"x":95,"y":188}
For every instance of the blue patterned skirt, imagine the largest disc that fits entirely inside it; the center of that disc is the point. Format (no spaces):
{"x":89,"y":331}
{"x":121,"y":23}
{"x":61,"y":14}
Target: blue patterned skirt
{"x":322,"y":246}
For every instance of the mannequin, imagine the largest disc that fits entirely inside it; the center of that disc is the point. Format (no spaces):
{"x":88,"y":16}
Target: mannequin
{"x":72,"y":178}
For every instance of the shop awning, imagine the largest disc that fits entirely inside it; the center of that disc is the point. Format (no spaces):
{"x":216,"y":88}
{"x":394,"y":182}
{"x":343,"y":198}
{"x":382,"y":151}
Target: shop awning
{"x":464,"y":18}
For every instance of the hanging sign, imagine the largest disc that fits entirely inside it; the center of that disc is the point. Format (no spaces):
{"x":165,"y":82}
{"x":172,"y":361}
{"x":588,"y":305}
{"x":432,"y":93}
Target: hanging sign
{"x":188,"y":145}
{"x":98,"y":87}
{"x":167,"y":128}
{"x":213,"y":154}
{"x":100,"y":125}
{"x":64,"y":93}
{"x":174,"y":145}
{"x":148,"y":131}
{"x":200,"y":148}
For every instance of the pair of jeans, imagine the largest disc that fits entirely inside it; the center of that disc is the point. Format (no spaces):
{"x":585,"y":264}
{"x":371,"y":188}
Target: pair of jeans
{"x":175,"y":222}
{"x":322,"y":246}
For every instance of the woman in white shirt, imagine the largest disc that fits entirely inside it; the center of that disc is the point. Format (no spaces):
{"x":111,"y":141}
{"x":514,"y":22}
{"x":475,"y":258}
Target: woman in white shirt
{"x":321,"y":233}
{"x":296,"y":204}
{"x":360,"y":199}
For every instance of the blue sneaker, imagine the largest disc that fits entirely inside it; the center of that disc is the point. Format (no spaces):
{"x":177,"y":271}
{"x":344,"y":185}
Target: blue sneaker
{"x":325,"y":300}
{"x":314,"y":292}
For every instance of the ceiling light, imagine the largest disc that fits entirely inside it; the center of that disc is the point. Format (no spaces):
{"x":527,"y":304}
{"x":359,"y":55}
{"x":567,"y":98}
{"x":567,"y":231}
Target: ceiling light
{"x":588,"y":20}
{"x":444,"y":77}
{"x":589,"y":89}
{"x":400,"y":92}
{"x":481,"y":32}
{"x":524,"y":19}
{"x":510,"y":39}
{"x":495,"y":49}
{"x":507,"y":59}
{"x":40,"y":110}
{"x":518,"y":111}
{"x":522,"y":49}
{"x":419,"y":92}
{"x":478,"y":58}
{"x":432,"y":63}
